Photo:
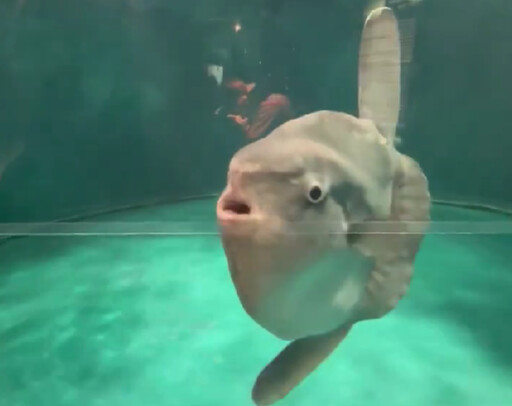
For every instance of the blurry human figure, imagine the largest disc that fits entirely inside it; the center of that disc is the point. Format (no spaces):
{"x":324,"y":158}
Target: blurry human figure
{"x":240,"y":86}
{"x":254,"y":88}
{"x":257,"y":117}
{"x":261,"y":119}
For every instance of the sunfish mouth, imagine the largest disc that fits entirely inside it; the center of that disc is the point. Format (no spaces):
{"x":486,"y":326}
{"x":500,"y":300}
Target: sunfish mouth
{"x":233,"y":208}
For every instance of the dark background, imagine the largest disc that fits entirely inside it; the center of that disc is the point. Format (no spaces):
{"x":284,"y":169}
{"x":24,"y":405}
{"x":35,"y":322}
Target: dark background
{"x":113,"y":103}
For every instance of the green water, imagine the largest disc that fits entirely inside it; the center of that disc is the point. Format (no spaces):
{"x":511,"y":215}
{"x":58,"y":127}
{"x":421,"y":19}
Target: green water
{"x":90,"y":321}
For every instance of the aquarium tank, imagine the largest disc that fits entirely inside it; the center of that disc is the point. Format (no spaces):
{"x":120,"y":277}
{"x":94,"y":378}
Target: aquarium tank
{"x":255,"y":202}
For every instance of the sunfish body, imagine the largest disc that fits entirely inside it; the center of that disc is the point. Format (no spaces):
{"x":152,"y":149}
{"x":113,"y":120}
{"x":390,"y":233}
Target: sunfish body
{"x":302,"y":219}
{"x":297,"y":219}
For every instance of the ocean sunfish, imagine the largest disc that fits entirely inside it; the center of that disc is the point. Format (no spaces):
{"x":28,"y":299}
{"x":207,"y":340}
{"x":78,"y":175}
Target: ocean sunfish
{"x":321,"y":222}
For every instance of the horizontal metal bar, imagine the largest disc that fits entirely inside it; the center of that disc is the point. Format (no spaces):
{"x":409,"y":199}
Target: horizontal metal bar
{"x":171,"y":228}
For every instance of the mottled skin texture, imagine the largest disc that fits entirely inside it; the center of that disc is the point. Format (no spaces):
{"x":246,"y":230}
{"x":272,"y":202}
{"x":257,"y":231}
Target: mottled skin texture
{"x":307,"y":268}
{"x":277,"y":245}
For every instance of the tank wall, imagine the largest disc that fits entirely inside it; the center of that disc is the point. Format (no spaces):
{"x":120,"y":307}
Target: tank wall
{"x":459,"y":108}
{"x":111,"y":100}
{"x":110,"y":103}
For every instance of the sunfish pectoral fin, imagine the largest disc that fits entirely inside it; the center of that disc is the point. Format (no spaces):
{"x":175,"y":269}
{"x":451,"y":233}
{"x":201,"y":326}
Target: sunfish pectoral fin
{"x":395,"y":253}
{"x":292,"y":365}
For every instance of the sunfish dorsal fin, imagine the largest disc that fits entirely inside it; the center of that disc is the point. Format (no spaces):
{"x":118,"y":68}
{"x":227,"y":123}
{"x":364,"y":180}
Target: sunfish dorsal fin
{"x":372,"y":5}
{"x":379,"y":71}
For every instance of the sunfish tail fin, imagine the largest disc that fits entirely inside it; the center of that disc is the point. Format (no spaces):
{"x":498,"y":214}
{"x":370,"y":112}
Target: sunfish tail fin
{"x":292,"y":365}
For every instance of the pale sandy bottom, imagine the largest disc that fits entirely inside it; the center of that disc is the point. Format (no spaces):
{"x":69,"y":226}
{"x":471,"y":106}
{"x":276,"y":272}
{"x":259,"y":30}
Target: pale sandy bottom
{"x":131,"y":321}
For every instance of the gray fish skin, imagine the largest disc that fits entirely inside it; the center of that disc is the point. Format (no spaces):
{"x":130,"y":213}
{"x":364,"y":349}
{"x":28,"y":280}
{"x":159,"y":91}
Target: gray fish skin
{"x":321,"y":221}
{"x":307,"y":269}
{"x":304,"y":268}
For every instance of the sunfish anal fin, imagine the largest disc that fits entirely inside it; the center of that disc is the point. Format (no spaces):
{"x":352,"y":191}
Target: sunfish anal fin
{"x":289,"y":368}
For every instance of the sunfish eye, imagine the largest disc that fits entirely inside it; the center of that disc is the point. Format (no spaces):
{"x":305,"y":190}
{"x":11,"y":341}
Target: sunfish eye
{"x":315,"y":194}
